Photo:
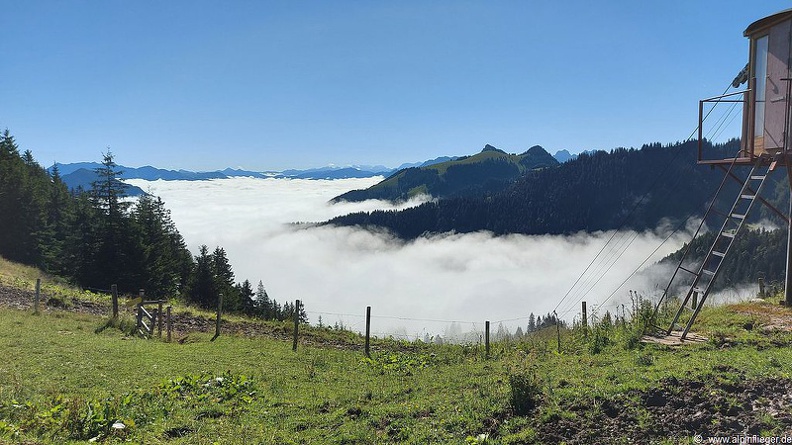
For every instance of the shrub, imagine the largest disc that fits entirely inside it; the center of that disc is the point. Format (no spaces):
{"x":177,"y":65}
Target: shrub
{"x":526,"y":390}
{"x":600,"y":339}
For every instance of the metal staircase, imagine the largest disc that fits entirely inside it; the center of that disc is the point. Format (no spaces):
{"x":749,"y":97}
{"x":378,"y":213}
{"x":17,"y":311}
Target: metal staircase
{"x":704,"y":277}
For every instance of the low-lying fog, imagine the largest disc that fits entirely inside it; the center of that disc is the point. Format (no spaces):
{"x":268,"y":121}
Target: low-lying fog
{"x":468,"y":278}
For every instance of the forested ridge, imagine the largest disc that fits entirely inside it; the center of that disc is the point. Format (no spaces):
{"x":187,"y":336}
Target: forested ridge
{"x":96,"y":237}
{"x":489,"y":171}
{"x":629,"y":188}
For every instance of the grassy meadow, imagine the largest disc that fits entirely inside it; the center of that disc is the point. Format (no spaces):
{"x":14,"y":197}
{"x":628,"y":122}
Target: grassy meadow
{"x":62,"y":382}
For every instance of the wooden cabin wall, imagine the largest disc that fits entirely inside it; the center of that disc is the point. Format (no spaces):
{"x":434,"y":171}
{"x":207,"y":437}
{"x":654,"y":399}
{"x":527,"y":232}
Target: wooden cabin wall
{"x":776,"y":100}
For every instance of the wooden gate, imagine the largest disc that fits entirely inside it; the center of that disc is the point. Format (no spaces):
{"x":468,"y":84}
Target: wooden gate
{"x":148,"y":318}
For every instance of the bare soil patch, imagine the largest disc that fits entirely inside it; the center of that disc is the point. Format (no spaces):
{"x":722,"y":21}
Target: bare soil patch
{"x":771,"y":317}
{"x":679,"y":409}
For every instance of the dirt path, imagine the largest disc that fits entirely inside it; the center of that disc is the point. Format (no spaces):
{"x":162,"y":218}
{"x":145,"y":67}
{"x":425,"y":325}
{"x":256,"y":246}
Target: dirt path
{"x":22,"y":299}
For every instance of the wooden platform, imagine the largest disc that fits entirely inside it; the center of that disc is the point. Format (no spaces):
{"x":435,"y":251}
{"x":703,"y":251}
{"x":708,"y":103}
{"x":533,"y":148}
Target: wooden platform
{"x":674,"y":339}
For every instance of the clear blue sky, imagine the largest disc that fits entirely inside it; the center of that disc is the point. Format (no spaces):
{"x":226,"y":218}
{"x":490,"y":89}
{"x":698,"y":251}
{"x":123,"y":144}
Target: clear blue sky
{"x":204,"y":85}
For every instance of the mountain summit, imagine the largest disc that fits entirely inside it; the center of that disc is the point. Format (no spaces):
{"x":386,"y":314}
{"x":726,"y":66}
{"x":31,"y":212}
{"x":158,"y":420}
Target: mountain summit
{"x":489,"y":147}
{"x":488,"y":171}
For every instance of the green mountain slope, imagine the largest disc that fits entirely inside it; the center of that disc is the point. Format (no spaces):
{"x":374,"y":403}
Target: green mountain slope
{"x":490,"y":170}
{"x":628,"y":188}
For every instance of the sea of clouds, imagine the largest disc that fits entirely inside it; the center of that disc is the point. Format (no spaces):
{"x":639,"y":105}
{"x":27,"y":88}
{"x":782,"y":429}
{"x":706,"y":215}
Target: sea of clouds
{"x":414,"y":288}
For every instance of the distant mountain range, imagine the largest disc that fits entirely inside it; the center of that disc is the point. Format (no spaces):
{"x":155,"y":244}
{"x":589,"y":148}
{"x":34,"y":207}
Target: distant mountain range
{"x":490,"y":170}
{"x":82,"y":174}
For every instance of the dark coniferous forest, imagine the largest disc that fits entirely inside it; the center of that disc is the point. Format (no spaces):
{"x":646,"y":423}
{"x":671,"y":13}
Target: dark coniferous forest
{"x":96,"y":237}
{"x":625,"y":188}
{"x":755,"y":254}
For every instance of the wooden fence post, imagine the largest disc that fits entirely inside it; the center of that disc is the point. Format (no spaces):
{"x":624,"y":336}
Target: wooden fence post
{"x":585,"y":319}
{"x":219,"y":314}
{"x":139,"y":317}
{"x":159,"y":319}
{"x":296,"y":323}
{"x":170,"y":326}
{"x":368,"y":329}
{"x":114,"y":292}
{"x":38,"y":296}
{"x":486,"y":339}
{"x":558,"y":331}
{"x":694,"y":303}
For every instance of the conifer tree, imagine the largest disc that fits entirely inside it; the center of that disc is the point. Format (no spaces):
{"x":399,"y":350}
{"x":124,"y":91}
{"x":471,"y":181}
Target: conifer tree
{"x":21,"y":202}
{"x":118,"y":254}
{"x":263,"y":303}
{"x":165,"y":255}
{"x":80,"y":251}
{"x":58,"y":227}
{"x":246,"y":294}
{"x":224,"y":280}
{"x":202,"y":287}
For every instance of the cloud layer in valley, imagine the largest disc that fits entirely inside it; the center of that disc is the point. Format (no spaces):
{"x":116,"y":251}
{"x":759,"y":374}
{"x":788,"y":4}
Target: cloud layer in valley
{"x":341,"y":270}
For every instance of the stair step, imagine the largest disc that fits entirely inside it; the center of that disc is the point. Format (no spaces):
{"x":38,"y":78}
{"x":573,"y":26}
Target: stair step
{"x":708,"y":272}
{"x":728,"y":234}
{"x":688,"y":271}
{"x":720,"y":254}
{"x":757,"y":177}
{"x":737,"y":216}
{"x":747,"y":196}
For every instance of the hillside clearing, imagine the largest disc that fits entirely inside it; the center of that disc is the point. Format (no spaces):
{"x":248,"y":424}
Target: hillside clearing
{"x":61,"y":382}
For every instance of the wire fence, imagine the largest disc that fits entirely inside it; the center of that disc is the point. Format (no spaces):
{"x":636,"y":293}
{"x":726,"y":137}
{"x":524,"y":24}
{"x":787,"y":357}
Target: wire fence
{"x":435,"y":330}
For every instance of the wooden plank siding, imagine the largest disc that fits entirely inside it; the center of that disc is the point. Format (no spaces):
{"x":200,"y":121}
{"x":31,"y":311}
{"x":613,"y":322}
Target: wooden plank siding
{"x":775,"y":93}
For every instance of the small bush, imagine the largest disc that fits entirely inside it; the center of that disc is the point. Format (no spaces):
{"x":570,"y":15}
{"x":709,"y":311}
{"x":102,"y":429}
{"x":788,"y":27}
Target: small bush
{"x":526,"y":390}
{"x":400,"y":363}
{"x":632,"y":337}
{"x":125,"y":323}
{"x":600,"y":339}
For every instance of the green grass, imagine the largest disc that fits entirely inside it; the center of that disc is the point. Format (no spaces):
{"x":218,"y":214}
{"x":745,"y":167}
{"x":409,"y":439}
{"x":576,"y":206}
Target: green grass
{"x":312,"y":396}
{"x":425,"y":394}
{"x":61,"y":382}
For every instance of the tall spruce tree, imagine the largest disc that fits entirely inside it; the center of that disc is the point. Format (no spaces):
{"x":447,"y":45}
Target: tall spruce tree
{"x":202,"y":286}
{"x":224,"y":280}
{"x":166,"y":260}
{"x":23,"y":185}
{"x":246,"y":294}
{"x":263,"y":303}
{"x":119,"y":254}
{"x":58,"y":227}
